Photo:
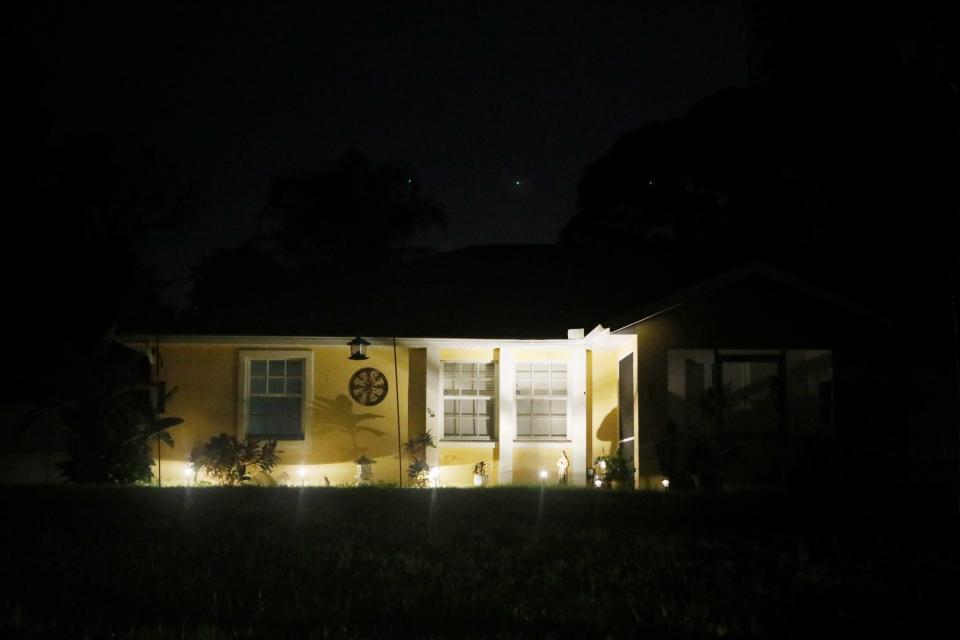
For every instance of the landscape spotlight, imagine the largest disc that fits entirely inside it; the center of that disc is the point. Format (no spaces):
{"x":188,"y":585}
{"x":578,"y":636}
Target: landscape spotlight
{"x":358,"y":348}
{"x":188,"y":469}
{"x":434,"y":476}
{"x":666,"y":483}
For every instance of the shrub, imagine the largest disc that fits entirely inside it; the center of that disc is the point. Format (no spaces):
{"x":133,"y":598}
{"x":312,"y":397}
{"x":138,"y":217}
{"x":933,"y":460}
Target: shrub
{"x":226,"y":459}
{"x":416,"y":448}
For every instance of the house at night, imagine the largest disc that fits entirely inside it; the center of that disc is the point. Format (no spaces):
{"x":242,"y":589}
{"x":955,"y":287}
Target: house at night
{"x":764,"y":362}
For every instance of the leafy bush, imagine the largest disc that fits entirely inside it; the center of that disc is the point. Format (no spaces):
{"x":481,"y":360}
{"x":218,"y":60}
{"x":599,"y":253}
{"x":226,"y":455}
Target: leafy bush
{"x":416,"y":448}
{"x":226,"y":459}
{"x":110,"y":417}
{"x":615,"y":467}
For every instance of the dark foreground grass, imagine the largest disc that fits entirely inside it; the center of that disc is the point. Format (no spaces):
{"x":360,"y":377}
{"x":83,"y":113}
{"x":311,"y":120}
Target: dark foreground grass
{"x":273,"y":563}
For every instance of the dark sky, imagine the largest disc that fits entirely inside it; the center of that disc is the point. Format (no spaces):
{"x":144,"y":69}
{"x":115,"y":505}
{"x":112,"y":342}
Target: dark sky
{"x":476,"y":96}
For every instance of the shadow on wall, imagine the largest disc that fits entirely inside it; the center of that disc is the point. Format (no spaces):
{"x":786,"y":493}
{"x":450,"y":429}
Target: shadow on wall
{"x":339,"y":436}
{"x":608,"y":433}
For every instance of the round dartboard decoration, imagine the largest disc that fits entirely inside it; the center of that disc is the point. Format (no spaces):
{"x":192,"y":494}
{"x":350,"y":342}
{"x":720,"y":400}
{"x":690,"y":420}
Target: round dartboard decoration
{"x":368,"y":386}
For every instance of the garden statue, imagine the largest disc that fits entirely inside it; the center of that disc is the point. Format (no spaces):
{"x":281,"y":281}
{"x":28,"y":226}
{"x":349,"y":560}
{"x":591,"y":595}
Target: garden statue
{"x":563,"y":463}
{"x":364,"y":473}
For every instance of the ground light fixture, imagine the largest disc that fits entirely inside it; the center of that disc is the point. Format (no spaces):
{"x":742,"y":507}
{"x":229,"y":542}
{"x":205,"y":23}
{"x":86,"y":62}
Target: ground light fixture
{"x":358,"y":348}
{"x":666,"y":483}
{"x":434,"y":477}
{"x":303,"y":474}
{"x":543,"y":477}
{"x":188,"y":471}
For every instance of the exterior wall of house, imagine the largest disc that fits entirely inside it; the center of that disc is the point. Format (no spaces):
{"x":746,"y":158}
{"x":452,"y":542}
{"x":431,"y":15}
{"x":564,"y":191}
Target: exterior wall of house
{"x":753,"y":314}
{"x":337,"y":430}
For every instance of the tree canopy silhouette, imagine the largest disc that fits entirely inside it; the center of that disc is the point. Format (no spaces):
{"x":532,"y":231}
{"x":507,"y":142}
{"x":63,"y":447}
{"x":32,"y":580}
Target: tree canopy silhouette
{"x":846,"y":153}
{"x":332,"y":230}
{"x":350,"y":207}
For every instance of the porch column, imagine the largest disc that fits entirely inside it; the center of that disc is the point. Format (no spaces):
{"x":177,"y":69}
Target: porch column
{"x":577,"y":394}
{"x":433,"y":404}
{"x":507,"y":414}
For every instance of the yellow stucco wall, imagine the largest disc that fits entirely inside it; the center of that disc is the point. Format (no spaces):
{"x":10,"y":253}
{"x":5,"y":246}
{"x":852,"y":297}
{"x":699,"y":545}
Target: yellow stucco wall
{"x":602,"y":407}
{"x":338,"y":430}
{"x":456,"y":464}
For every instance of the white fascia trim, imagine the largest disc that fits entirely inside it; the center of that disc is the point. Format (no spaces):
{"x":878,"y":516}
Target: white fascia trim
{"x":599,"y":338}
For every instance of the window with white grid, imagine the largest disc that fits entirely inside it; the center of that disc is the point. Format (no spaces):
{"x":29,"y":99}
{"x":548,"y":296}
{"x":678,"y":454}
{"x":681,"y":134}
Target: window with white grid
{"x":275,"y":398}
{"x":541,"y":400}
{"x":469,"y":399}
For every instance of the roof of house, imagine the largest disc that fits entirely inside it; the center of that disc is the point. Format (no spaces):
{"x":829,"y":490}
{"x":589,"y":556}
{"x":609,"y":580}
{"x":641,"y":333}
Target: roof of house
{"x":748,"y":270}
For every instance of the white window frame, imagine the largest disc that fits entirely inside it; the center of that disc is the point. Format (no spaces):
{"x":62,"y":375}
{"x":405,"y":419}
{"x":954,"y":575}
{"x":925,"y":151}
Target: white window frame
{"x":490,"y":437}
{"x":246,"y":357}
{"x":532,"y":396}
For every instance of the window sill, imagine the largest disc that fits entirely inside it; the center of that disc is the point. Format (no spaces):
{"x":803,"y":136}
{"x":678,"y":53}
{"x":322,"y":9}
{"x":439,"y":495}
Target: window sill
{"x":479,"y":444}
{"x":530,"y":442}
{"x":278,"y":438}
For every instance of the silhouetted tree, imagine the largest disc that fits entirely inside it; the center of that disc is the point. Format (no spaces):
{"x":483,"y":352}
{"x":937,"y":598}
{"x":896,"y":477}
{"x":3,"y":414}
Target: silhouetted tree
{"x":108,"y":410}
{"x":335,"y":230}
{"x":847,"y":152}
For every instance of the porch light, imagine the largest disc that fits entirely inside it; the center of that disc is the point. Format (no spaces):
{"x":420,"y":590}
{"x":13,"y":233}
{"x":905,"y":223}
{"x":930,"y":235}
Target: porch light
{"x":358,"y":348}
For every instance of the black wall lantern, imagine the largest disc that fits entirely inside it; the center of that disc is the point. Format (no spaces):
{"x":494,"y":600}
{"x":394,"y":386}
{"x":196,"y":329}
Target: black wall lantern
{"x":358,"y":348}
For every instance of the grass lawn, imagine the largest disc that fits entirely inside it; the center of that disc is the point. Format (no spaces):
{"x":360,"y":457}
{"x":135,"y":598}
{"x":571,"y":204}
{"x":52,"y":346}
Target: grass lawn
{"x":515,"y":562}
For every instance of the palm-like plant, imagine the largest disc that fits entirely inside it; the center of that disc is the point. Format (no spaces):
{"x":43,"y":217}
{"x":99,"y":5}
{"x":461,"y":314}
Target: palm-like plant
{"x":227,"y":459}
{"x":416,"y":448}
{"x":110,"y":418}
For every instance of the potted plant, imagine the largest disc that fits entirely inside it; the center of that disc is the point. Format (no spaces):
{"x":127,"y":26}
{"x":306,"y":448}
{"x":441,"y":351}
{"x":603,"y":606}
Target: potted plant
{"x":364,"y":471}
{"x":615,"y":470}
{"x":480,"y":475}
{"x":416,"y":448}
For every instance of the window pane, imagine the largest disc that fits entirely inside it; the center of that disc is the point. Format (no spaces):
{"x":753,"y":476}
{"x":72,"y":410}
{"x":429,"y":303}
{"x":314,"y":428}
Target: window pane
{"x":462,"y":382}
{"x":524,"y":425}
{"x":277,"y":367}
{"x":468,"y":378}
{"x":524,"y":384}
{"x":558,"y":380}
{"x":295,"y":368}
{"x":275,"y":386}
{"x":558,"y":407}
{"x":541,"y":425}
{"x":541,"y":407}
{"x":487,"y":379}
{"x":258,"y":385}
{"x":258,"y":367}
{"x":558,"y":426}
{"x":483,"y":426}
{"x":524,"y":407}
{"x":274,"y":416}
{"x":294,"y":385}
{"x":449,"y":425}
{"x":450,"y":375}
{"x":541,"y":379}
